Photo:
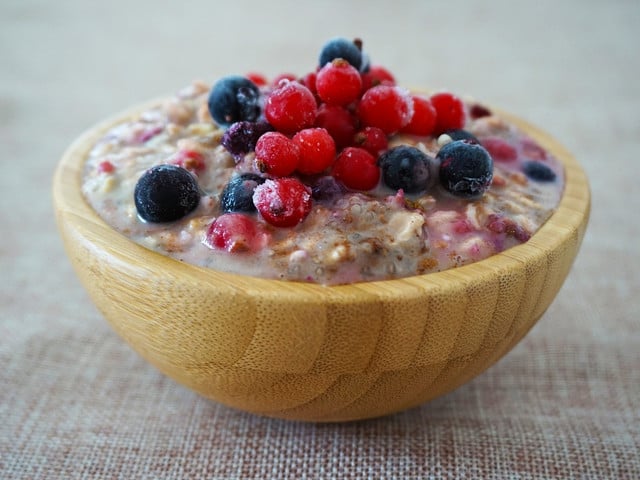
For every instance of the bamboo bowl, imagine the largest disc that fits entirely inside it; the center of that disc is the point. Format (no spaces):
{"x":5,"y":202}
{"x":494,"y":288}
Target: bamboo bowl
{"x":308,"y":352}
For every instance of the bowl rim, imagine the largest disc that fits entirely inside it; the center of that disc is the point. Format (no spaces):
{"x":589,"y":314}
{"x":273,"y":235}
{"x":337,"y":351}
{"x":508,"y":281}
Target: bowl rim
{"x":72,"y":210}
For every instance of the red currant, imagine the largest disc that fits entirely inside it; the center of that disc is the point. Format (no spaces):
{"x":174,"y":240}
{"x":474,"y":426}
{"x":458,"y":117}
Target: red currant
{"x":339,"y":122}
{"x":309,"y":81}
{"x":283,"y":202}
{"x":356,"y":169}
{"x":386,"y":107}
{"x":377,"y":75}
{"x":106,"y":167}
{"x":424,"y":117}
{"x":499,"y":149}
{"x":277,"y":154}
{"x":338,"y":83}
{"x":317,"y":150}
{"x":235,"y":232}
{"x":190,"y":160}
{"x":450,"y":112}
{"x":257,"y":78}
{"x":372,"y":139}
{"x":283,"y":76}
{"x":290,"y":107}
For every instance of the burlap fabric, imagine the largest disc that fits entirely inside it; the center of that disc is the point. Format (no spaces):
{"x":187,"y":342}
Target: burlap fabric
{"x":76,"y":402}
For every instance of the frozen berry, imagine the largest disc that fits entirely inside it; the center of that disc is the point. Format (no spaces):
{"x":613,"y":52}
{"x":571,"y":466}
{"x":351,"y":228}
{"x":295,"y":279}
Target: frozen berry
{"x":277,"y":154}
{"x":190,"y":160}
{"x":326,"y":189}
{"x":237,"y":195}
{"x":317,"y":150}
{"x":257,"y":78}
{"x":499,"y":149}
{"x":241,"y":137}
{"x":450,"y":112}
{"x":466,"y":169}
{"x":235,"y":233}
{"x":233,"y":99}
{"x":356,"y":168}
{"x":406,"y":168}
{"x":372,"y":139}
{"x":461,"y":134}
{"x":377,"y":75}
{"x":538,"y":171}
{"x":341,"y":48}
{"x":106,"y":167}
{"x":338,"y":83}
{"x":283,"y":202}
{"x":386,"y":107}
{"x":309,"y":81}
{"x":339,"y":122}
{"x":165,"y":193}
{"x":290,"y":107}
{"x":423,"y":120}
{"x":478,"y":111}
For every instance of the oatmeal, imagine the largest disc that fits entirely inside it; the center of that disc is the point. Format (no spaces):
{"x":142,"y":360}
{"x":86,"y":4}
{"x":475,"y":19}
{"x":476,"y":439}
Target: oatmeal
{"x":336,"y":179}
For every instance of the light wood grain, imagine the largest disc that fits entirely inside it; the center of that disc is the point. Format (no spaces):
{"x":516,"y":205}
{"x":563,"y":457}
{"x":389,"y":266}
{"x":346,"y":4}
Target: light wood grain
{"x":308,"y":352}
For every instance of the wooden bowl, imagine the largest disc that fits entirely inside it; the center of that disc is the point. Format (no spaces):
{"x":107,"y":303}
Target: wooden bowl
{"x":309,"y":352}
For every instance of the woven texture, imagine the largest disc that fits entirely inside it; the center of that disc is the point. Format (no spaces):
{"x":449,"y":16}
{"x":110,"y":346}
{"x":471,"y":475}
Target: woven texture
{"x":77,"y":402}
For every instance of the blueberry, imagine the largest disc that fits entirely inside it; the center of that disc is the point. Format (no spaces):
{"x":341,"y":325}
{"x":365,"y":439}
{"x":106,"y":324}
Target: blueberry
{"x":233,"y":99}
{"x":461,"y":134}
{"x":237,"y":196}
{"x":538,"y":171}
{"x":341,"y":48}
{"x":406,"y":168}
{"x":327,"y":189}
{"x":241,"y":137}
{"x":165,"y":193}
{"x":466,"y":169}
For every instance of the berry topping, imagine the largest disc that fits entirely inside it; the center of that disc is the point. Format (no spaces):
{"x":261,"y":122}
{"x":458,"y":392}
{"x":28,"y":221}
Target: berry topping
{"x":341,"y":48}
{"x":339,"y":122}
{"x":190,"y":160}
{"x":386,"y":107}
{"x":326,"y":189}
{"x":235,"y":233}
{"x":461,"y":134}
{"x":241,"y":137}
{"x":538,"y":171}
{"x":406,"y":168}
{"x":338,"y":83}
{"x":283,"y":202}
{"x":423,"y":120}
{"x":371,"y":139}
{"x":499,"y":149}
{"x":106,"y":167}
{"x":450,"y":112}
{"x":233,"y":99}
{"x":377,"y":75}
{"x":317,"y":150}
{"x":277,"y":154}
{"x":237,"y":195}
{"x":165,"y":193}
{"x":257,"y":78}
{"x":356,"y":168}
{"x":478,"y":111}
{"x":291,"y":107}
{"x":466,"y":169}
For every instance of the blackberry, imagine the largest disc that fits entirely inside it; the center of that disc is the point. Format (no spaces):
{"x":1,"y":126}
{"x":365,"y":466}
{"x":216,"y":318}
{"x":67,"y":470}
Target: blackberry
{"x":241,"y":137}
{"x":166,"y":193}
{"x":233,"y":99}
{"x":466,"y":169}
{"x":406,"y":168}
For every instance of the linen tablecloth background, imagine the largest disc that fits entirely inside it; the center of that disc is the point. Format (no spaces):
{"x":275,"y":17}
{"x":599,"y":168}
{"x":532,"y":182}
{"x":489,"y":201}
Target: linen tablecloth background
{"x":77,"y":402}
